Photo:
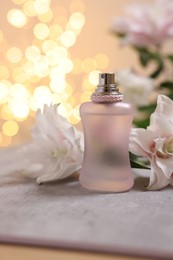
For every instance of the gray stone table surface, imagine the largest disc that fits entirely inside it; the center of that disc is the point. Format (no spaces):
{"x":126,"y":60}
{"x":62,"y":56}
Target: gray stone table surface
{"x":63,"y":214}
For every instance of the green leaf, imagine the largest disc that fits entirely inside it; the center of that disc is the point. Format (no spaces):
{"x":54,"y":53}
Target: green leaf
{"x":121,"y":35}
{"x":132,"y":156}
{"x":170,"y":96}
{"x":143,"y":123}
{"x":170,"y":57}
{"x":167,"y":84}
{"x":135,"y":163}
{"x":148,"y":108}
{"x":138,"y":165}
{"x":159,"y":69}
{"x":117,"y":34}
{"x":146,"y":56}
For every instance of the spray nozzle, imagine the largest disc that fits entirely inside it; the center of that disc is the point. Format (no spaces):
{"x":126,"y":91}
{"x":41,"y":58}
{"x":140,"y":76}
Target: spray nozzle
{"x":107,"y":90}
{"x":106,"y":79}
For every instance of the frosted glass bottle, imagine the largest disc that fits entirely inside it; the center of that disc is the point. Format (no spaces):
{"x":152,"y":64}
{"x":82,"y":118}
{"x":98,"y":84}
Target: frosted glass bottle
{"x":106,"y":123}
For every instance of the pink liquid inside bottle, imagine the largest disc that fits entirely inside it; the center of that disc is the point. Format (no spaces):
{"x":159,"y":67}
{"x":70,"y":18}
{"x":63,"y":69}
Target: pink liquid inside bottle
{"x":106,"y":123}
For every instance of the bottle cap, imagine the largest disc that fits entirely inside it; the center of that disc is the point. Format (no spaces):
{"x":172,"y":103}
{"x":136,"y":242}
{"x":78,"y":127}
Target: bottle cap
{"x":107,"y":90}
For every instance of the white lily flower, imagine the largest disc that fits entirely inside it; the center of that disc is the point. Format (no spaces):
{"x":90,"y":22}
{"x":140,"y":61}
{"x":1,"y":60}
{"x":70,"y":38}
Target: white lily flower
{"x":136,"y":89}
{"x":146,"y":24}
{"x":156,"y":143}
{"x":55,"y":152}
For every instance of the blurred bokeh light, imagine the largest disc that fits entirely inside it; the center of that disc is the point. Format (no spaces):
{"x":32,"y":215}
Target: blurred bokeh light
{"x":43,"y":71}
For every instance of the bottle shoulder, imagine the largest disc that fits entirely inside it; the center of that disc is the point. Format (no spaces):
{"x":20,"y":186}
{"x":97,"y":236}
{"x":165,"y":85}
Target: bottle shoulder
{"x":106,"y":108}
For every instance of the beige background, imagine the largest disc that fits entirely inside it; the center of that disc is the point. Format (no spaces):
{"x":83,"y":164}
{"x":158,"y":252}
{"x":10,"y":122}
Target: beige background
{"x":95,"y":38}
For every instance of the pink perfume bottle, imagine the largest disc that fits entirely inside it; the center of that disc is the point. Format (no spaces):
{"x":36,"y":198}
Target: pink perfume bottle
{"x":106,"y":123}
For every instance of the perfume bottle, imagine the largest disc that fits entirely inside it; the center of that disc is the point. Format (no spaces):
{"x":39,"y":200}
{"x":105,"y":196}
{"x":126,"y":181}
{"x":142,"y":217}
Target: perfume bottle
{"x":106,"y":123}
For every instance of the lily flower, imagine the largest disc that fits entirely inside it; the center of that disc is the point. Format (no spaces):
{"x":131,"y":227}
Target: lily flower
{"x":146,"y":24}
{"x":55,"y":152}
{"x":156,"y":143}
{"x":136,"y":89}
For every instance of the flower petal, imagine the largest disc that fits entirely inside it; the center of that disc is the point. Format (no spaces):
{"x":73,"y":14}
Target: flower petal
{"x":158,"y":179}
{"x":59,"y":174}
{"x":140,"y":141}
{"x":161,"y":124}
{"x":162,"y":118}
{"x":166,"y":165}
{"x":164,"y":106}
{"x":136,"y":89}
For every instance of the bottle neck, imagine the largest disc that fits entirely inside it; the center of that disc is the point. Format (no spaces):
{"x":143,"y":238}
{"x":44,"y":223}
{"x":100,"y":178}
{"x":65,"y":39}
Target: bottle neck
{"x":107,"y":90}
{"x":108,"y":98}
